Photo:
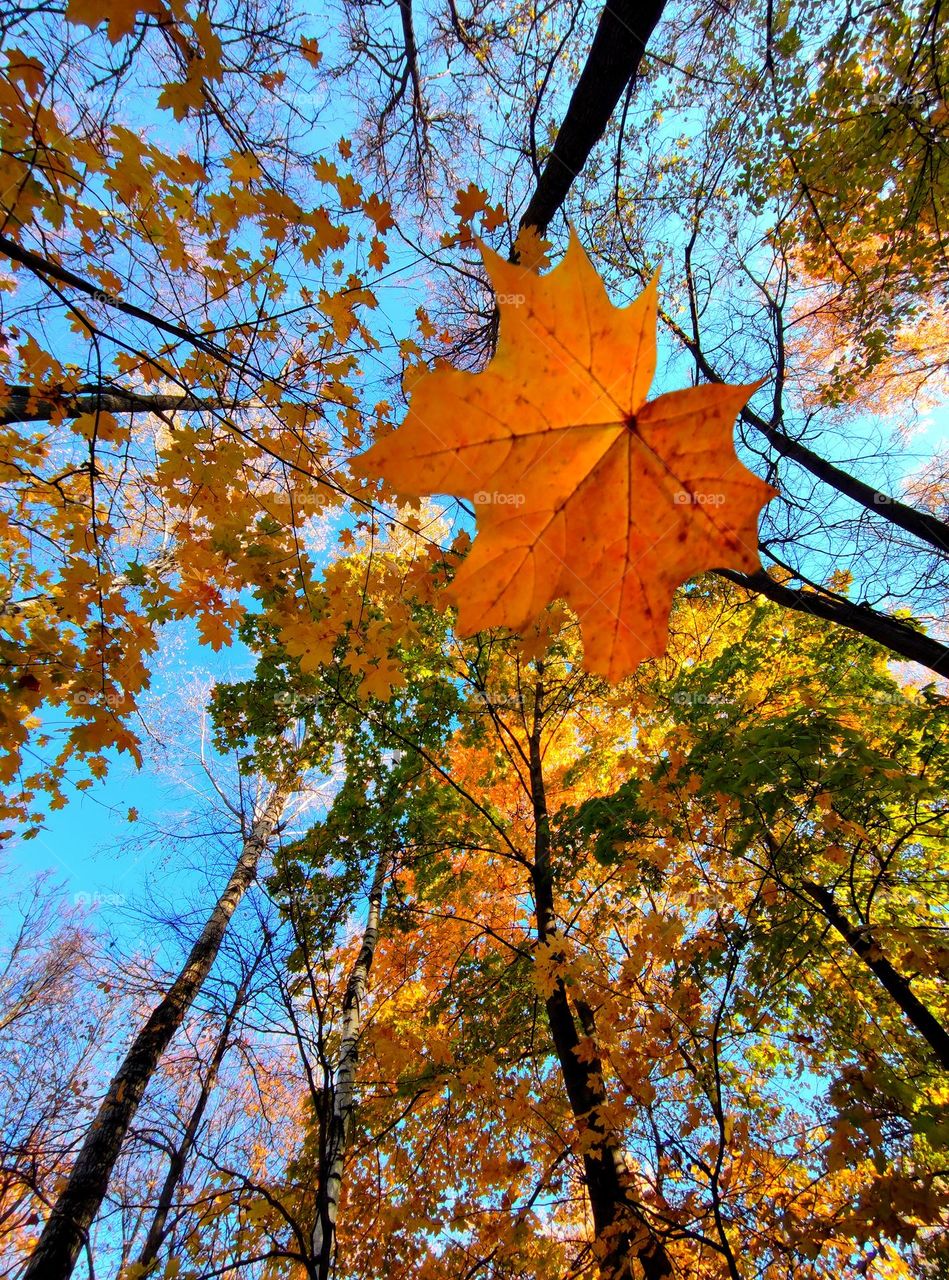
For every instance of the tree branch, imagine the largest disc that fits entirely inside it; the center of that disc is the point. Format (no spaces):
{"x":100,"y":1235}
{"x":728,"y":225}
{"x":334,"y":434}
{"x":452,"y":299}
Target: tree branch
{"x":862,"y":943}
{"x":894,"y":634}
{"x":25,"y":404}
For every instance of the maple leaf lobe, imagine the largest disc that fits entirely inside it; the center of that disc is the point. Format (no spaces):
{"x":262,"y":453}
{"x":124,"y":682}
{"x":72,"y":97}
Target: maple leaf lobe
{"x":584,"y":490}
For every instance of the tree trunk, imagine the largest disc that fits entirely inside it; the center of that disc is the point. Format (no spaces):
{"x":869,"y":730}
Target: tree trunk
{"x":921,"y":524}
{"x":78,"y":1203}
{"x":618,"y":1220}
{"x":24,"y":404}
{"x":861,"y":942}
{"x":336,"y":1135}
{"x":613,"y":61}
{"x":158,"y":1230}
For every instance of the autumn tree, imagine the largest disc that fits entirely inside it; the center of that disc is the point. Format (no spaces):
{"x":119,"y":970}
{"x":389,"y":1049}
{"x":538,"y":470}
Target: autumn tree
{"x":81,"y":1196}
{"x":161,"y":376}
{"x":653,"y":908}
{"x":680,"y":983}
{"x":52,"y":1010}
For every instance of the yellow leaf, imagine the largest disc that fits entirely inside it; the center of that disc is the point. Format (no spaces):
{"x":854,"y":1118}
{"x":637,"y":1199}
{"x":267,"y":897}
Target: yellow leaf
{"x":469,"y":202}
{"x":182,"y":98}
{"x":244,"y":166}
{"x":214,"y":631}
{"x":100,"y":427}
{"x":531,"y":249}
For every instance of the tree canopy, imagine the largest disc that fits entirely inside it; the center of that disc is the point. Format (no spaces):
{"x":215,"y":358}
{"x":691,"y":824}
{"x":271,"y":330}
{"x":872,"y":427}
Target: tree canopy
{"x":531,"y":414}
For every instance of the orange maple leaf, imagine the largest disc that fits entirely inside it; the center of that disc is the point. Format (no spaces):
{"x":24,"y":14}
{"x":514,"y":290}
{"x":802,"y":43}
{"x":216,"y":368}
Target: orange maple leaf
{"x":120,"y":16}
{"x":470,"y":201}
{"x":531,"y":249}
{"x":584,"y":490}
{"x":378,"y":254}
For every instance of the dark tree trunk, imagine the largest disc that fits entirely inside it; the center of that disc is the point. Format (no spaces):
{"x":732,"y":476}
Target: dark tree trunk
{"x":921,"y":524}
{"x":615,"y":54}
{"x":78,"y":1203}
{"x":25,"y":404}
{"x":617,"y":1218}
{"x":158,"y":1230}
{"x":337,"y":1132}
{"x":893,"y":634}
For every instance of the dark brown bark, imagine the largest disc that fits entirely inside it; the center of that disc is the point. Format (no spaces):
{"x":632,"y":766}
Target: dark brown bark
{"x":617,"y":1218}
{"x":78,"y":1203}
{"x":862,"y":943}
{"x":411,"y":54}
{"x":613,"y":60}
{"x":895,"y":635}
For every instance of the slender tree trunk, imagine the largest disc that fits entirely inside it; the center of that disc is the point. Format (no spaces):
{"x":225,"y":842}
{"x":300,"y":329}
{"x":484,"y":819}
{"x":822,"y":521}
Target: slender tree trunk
{"x":861,"y":942}
{"x":921,"y":524}
{"x":78,"y":1203}
{"x":158,"y":1230}
{"x":337,"y":1133}
{"x":618,"y":1220}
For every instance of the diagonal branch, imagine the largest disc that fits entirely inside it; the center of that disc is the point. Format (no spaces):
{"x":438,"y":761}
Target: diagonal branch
{"x":921,"y":524}
{"x":894,"y":634}
{"x":47,"y":270}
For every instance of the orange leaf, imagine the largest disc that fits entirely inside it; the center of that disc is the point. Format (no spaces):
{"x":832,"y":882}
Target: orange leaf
{"x":311,"y":51}
{"x":583,"y":489}
{"x":120,"y":16}
{"x":470,"y":201}
{"x":380,"y":211}
{"x":378,"y":254}
{"x":531,"y":249}
{"x":214,"y":631}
